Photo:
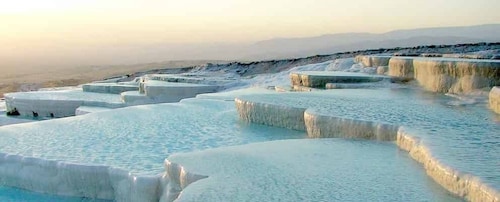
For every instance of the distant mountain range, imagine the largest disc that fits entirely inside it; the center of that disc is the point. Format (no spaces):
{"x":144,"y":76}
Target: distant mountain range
{"x":331,"y":43}
{"x":279,"y":48}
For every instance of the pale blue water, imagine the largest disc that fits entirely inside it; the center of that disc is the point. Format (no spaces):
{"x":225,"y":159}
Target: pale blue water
{"x":66,"y":95}
{"x":8,"y":194}
{"x":308,"y":170}
{"x":8,"y":120}
{"x":139,"y":138}
{"x":464,"y":137}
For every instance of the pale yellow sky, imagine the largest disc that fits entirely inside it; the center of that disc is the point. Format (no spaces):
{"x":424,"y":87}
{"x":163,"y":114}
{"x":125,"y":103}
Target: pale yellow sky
{"x":193,"y":21}
{"x":54,"y":27}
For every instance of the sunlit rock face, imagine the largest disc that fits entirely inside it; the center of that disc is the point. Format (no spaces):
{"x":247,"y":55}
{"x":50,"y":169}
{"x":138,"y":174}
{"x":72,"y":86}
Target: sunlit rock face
{"x":272,"y":115}
{"x":372,"y":60}
{"x":401,"y":67}
{"x":382,"y":70}
{"x":446,"y":75}
{"x":323,"y":126}
{"x":319,"y":79}
{"x":494,"y":99}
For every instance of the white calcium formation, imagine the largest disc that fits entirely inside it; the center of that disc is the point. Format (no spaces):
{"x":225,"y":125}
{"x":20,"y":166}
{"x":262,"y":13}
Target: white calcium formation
{"x":67,"y":179}
{"x":104,"y":182}
{"x":325,"y":169}
{"x":321,"y":124}
{"x":401,"y":67}
{"x":447,"y":75}
{"x":456,"y":76}
{"x":59,"y":103}
{"x":316,"y":79}
{"x":494,"y":99}
{"x":106,"y":95}
{"x":373,"y":60}
{"x":111,"y":88}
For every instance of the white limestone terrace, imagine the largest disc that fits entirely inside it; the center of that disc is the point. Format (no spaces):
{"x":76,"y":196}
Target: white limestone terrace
{"x":61,"y":103}
{"x":447,"y":75}
{"x":319,"y":79}
{"x":112,"y":88}
{"x":401,"y":67}
{"x":494,"y":99}
{"x":456,"y":75}
{"x":222,"y":80}
{"x":119,"y":154}
{"x":8,"y":120}
{"x":231,"y":95}
{"x":64,"y":103}
{"x":303,"y":170}
{"x":133,"y":98}
{"x":82,"y":110}
{"x":154,"y":91}
{"x":153,"y":88}
{"x":458,"y":145}
{"x":373,"y":60}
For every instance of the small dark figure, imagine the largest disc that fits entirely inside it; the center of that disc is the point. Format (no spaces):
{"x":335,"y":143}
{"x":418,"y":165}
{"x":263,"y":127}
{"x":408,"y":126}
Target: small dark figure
{"x":51,"y":115}
{"x":35,"y":114}
{"x":14,"y":112}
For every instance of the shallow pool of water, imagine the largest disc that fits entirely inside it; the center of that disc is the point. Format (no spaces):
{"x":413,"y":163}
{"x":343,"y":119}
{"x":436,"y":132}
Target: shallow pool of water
{"x":139,"y":138}
{"x":308,"y":170}
{"x":9,"y":194}
{"x":464,"y":137}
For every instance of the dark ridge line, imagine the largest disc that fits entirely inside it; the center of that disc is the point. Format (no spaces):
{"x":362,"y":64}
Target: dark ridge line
{"x":293,"y":62}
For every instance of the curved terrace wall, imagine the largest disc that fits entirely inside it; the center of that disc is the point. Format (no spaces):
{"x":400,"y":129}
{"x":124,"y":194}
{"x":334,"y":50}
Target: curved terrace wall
{"x":456,"y":75}
{"x":321,"y":126}
{"x":372,"y":60}
{"x":67,"y":179}
{"x":401,"y":67}
{"x":112,"y":88}
{"x":461,"y":184}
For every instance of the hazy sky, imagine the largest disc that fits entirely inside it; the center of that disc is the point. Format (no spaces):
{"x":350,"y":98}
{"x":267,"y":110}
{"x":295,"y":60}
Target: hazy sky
{"x":30,"y":27}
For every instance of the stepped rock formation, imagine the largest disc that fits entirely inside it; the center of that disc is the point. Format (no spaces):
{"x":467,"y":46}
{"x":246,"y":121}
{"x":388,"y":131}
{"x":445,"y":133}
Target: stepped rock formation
{"x":372,"y":60}
{"x":275,"y":169}
{"x":319,"y":79}
{"x":64,"y":103}
{"x":401,"y":67}
{"x":456,"y":76}
{"x":370,"y":118}
{"x":111,"y":88}
{"x":57,"y":104}
{"x":338,"y":114}
{"x":447,"y":75}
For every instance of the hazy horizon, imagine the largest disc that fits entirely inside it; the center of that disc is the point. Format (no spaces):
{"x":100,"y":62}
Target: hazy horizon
{"x":58,"y":33}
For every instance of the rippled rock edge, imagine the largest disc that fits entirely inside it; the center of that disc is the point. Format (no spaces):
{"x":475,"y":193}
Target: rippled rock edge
{"x":78,"y":180}
{"x":105,"y":182}
{"x":321,"y":126}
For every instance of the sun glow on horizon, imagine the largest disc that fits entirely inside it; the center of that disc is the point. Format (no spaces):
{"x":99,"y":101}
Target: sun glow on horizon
{"x":33,"y":6}
{"x":198,"y":21}
{"x":58,"y":28}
